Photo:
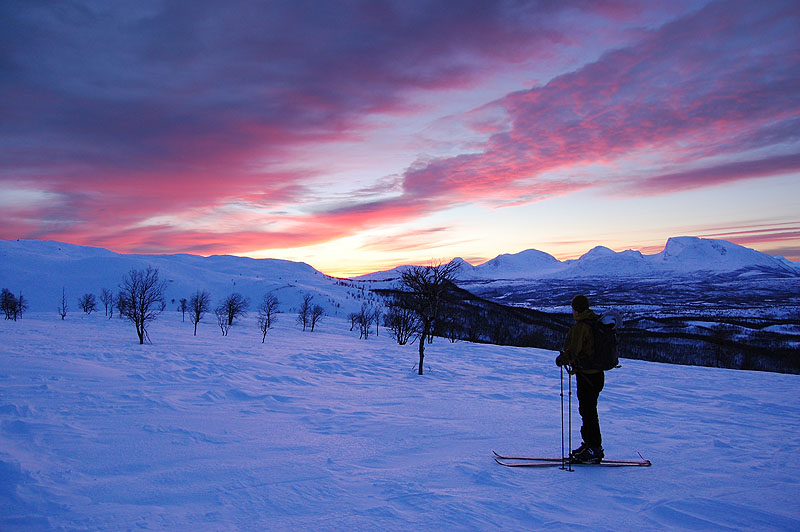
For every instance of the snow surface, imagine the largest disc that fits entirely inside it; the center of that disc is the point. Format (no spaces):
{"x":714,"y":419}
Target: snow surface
{"x":323,"y":431}
{"x":39,"y":270}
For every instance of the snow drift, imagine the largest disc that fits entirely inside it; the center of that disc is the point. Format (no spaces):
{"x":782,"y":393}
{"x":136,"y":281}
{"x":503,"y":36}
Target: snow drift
{"x":322,"y":431}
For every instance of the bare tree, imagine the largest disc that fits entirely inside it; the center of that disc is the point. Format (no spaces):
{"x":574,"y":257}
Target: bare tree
{"x":182,"y":306}
{"x":400,"y":320}
{"x":199,"y":304}
{"x":222,"y":319}
{"x":452,"y":327}
{"x":22,"y":305}
{"x":266,"y":314}
{"x":9,"y":304}
{"x":122,"y":303}
{"x":87,"y":303}
{"x":304,"y":314}
{"x":107,"y":299}
{"x":235,"y":306}
{"x":364,"y":319}
{"x":317,"y":313}
{"x":144,"y":299}
{"x":353,"y":317}
{"x":112,"y":302}
{"x":426,"y":288}
{"x":63,"y":308}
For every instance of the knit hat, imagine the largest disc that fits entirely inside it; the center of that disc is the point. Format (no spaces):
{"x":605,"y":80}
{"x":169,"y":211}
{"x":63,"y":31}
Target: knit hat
{"x":580,"y":303}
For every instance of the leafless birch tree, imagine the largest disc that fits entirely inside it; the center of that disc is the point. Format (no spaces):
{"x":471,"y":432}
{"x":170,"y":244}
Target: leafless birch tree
{"x":199,"y":304}
{"x":266,"y":314}
{"x":426,"y":288}
{"x":144,"y":299}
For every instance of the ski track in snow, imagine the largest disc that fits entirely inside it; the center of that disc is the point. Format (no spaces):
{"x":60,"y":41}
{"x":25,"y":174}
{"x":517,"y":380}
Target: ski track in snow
{"x":323,"y":431}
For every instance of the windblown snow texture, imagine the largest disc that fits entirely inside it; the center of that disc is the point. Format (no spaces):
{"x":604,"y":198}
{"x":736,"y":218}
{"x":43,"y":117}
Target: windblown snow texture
{"x":323,"y":431}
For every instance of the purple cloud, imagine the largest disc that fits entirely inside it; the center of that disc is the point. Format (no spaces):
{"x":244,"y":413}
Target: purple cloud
{"x":722,"y":173}
{"x":717,"y":82}
{"x":128,"y":112}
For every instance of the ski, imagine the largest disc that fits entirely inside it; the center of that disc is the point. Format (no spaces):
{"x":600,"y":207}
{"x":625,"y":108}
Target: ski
{"x":501,"y":457}
{"x":616,"y":463}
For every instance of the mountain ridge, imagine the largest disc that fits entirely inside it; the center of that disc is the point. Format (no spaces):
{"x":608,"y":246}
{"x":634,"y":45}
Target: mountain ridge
{"x":39,"y":269}
{"x":681,"y":256}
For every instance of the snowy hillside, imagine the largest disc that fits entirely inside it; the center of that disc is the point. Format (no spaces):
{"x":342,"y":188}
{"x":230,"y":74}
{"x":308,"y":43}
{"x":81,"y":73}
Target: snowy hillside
{"x":682,"y":256}
{"x":323,"y":431}
{"x":40,"y":269}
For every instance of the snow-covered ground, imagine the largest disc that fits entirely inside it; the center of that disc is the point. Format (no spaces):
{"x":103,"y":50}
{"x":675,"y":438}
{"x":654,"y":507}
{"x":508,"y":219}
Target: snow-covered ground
{"x":323,"y":431}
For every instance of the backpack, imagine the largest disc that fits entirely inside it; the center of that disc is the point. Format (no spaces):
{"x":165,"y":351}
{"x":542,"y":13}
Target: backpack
{"x":604,"y":332}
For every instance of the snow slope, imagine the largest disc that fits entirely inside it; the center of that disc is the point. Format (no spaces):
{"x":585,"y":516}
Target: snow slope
{"x":518,"y":264}
{"x":690,"y":254}
{"x":40,"y":269}
{"x":323,"y":431}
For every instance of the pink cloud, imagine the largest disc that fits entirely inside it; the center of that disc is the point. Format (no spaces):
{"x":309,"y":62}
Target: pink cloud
{"x":778,"y":238}
{"x":720,"y":174}
{"x":755,"y":237}
{"x":169,"y":120}
{"x":694,"y":88}
{"x":412,"y":241}
{"x":789,"y":252}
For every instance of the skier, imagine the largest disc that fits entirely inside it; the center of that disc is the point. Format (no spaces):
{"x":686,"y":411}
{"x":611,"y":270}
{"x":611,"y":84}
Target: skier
{"x":578,"y":350}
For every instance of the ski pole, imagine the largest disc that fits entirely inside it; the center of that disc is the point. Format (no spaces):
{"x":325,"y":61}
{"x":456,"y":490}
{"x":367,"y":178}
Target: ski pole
{"x":570,"y":417}
{"x":563,"y":460}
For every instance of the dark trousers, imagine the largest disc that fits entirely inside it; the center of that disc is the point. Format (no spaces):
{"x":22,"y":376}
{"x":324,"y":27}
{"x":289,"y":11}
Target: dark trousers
{"x":589,"y":388}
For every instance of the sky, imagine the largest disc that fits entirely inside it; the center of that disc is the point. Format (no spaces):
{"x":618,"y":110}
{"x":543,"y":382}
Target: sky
{"x":361,"y":135}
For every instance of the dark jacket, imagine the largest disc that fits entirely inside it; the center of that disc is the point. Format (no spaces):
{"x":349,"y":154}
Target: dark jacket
{"x":579,"y":344}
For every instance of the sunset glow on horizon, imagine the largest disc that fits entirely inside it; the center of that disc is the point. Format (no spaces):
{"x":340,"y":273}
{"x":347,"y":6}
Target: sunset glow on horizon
{"x":361,"y":135}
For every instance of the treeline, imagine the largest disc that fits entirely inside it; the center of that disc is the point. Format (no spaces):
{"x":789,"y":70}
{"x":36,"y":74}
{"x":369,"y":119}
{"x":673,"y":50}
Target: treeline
{"x":726,"y":342}
{"x":735,"y":343}
{"x":427,"y":304}
{"x":465,"y":316}
{"x":141,"y":299}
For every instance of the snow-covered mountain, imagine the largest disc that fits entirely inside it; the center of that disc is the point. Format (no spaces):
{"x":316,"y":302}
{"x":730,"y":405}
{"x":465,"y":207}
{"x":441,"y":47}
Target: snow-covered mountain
{"x":692,"y":254}
{"x":40,"y":269}
{"x":519,"y":264}
{"x":682,"y":256}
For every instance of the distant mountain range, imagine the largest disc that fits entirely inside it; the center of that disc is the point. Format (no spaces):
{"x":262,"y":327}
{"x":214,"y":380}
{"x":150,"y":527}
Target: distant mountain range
{"x":682,"y":256}
{"x":40,"y":269}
